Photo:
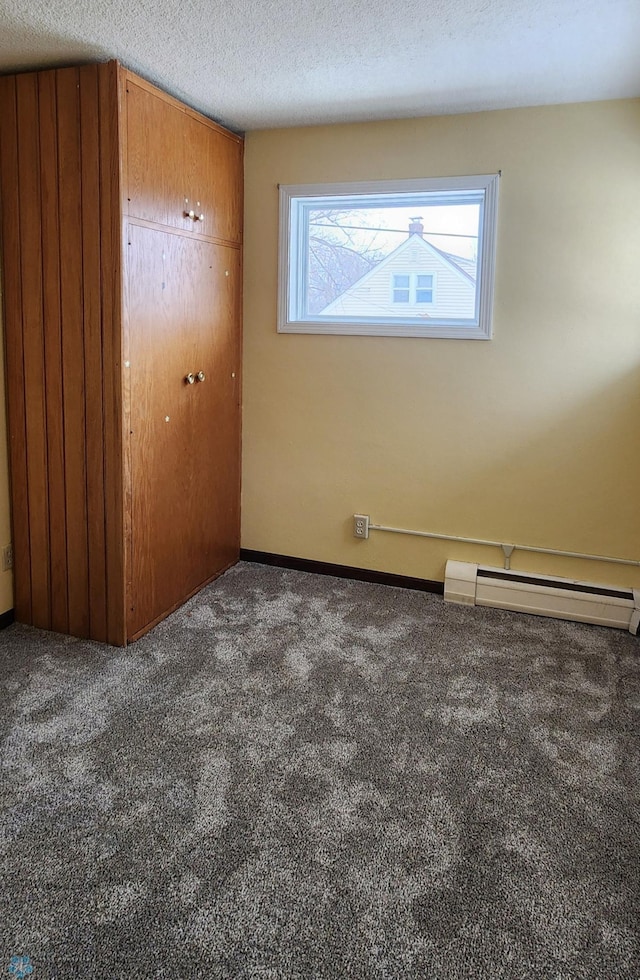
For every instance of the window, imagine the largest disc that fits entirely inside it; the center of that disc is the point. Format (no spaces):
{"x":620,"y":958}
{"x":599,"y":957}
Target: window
{"x":424,"y":289}
{"x":401,"y":289}
{"x":412,"y":288}
{"x":409,"y":258}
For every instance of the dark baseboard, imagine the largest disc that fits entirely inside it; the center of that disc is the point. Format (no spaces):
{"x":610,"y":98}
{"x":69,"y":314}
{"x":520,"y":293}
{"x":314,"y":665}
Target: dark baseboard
{"x":342,"y":571}
{"x":6,"y":619}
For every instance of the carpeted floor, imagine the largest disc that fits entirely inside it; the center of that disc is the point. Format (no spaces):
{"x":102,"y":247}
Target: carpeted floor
{"x":298,"y":776}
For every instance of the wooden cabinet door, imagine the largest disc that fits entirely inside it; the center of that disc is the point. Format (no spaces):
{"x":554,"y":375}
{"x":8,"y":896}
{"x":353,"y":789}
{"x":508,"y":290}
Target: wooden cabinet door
{"x":155,"y":179}
{"x":183,"y":318}
{"x":214,"y":176}
{"x":215,"y":418}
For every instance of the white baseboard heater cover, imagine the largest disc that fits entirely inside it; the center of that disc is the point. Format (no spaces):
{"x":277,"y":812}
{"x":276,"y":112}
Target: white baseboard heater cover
{"x":542,"y":595}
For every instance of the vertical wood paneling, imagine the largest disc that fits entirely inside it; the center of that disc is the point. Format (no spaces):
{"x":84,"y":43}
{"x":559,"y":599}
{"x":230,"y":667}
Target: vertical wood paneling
{"x":53,"y":350}
{"x":33,"y":336}
{"x":91,"y":269}
{"x":110,"y":106}
{"x":14,"y":348}
{"x":70,"y":175}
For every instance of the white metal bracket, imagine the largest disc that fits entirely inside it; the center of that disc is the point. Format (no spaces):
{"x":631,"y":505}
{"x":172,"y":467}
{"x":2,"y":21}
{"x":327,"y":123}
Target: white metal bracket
{"x":508,"y":550}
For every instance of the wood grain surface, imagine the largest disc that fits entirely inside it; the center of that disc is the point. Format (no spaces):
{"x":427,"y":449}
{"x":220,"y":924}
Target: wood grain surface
{"x":118,"y":515}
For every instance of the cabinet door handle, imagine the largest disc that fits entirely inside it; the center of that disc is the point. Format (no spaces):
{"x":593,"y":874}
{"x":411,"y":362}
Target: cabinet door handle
{"x":200,"y":217}
{"x":200,"y":376}
{"x":190,"y":378}
{"x":190,"y":214}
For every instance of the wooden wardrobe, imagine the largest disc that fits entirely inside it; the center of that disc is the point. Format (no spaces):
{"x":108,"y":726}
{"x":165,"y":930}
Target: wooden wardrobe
{"x":121,"y":258}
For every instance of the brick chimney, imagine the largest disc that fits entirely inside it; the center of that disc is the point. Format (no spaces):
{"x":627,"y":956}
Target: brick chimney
{"x":415,"y":226}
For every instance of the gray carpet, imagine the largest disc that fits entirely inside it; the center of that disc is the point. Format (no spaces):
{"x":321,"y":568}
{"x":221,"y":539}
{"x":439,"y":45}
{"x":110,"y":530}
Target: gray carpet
{"x":304,"y":777}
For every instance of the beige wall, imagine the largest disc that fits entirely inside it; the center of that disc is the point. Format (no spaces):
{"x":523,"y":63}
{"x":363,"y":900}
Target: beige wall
{"x":6,"y":578}
{"x":533,"y":437}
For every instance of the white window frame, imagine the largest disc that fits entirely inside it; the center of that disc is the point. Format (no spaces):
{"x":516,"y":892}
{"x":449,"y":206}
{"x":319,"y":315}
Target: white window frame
{"x":295,"y":198}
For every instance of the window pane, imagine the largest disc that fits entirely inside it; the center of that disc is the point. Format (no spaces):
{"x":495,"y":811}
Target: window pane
{"x":354,"y":252}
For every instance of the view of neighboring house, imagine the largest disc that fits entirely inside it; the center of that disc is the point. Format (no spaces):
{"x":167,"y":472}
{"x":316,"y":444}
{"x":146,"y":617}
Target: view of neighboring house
{"x":415,"y":280}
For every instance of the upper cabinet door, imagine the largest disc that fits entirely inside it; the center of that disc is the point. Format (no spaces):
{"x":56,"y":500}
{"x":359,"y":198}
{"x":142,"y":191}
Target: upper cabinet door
{"x":156,"y":156}
{"x":182,"y":170}
{"x":214,"y":176}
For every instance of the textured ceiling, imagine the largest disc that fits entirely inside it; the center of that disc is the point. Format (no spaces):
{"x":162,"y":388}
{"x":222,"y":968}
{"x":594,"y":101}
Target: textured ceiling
{"x":253,"y":64}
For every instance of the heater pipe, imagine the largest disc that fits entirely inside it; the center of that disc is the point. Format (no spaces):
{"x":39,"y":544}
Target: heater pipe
{"x":507,"y":549}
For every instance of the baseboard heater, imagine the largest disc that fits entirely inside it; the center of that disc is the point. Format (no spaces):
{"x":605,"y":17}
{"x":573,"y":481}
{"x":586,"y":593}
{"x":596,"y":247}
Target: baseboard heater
{"x":542,"y":595}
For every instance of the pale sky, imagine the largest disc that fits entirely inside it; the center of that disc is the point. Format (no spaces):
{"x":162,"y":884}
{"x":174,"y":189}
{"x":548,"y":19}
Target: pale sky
{"x":455,"y":227}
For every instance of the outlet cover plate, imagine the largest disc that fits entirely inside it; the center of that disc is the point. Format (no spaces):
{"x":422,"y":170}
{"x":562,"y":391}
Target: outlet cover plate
{"x":361,"y":526}
{"x":7,"y":557}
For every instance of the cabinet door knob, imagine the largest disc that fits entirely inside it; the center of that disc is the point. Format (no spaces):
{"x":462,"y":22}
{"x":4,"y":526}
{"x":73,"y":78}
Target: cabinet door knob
{"x":200,"y":217}
{"x":190,"y":379}
{"x":200,"y":376}
{"x":190,"y":214}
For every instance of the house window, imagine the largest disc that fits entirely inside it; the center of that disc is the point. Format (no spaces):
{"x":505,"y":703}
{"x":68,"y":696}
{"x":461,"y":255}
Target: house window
{"x":412,"y":288}
{"x":401,"y":289}
{"x":424,"y":289}
{"x":410,"y":258}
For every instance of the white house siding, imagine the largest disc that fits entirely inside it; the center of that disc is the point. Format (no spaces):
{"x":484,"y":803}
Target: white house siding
{"x":372,"y":295}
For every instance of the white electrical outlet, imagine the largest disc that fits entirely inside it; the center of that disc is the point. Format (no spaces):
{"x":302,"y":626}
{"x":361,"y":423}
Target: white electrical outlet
{"x":361,"y":525}
{"x":7,"y":557}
